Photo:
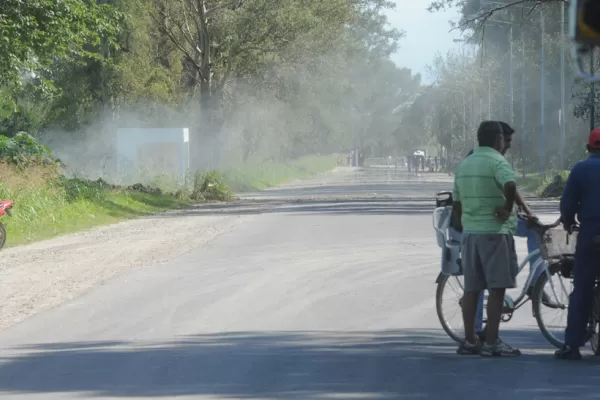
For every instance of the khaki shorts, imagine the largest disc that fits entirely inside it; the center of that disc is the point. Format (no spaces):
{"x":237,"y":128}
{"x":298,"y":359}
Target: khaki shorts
{"x":489,"y":261}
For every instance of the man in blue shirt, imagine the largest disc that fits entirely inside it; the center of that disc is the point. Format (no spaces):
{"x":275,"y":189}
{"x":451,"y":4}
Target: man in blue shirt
{"x":581,"y":198}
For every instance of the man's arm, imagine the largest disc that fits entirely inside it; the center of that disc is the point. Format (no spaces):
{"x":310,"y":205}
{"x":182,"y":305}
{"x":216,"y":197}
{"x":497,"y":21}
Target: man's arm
{"x":569,"y":202}
{"x":456,"y":208}
{"x":521,"y":203}
{"x":457,"y":216}
{"x":505,"y":176}
{"x":510,"y":195}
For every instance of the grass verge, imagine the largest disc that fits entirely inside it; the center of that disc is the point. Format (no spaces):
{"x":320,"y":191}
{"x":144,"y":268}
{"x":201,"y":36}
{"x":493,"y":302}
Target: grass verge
{"x":48,"y":205}
{"x":258,"y":177}
{"x":535,"y":183}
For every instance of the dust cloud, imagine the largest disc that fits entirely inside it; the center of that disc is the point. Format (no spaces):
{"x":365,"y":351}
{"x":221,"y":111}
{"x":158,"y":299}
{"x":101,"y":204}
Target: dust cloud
{"x":330,"y":104}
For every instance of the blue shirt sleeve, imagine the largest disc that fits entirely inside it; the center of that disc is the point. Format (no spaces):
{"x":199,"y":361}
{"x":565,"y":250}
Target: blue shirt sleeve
{"x":571,"y":197}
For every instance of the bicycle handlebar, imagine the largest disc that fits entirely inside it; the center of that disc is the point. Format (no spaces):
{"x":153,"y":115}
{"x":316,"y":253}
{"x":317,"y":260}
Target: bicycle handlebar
{"x":536,"y":221}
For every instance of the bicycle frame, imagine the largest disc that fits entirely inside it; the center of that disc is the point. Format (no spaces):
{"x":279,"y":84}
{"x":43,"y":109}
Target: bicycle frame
{"x":539,"y":263}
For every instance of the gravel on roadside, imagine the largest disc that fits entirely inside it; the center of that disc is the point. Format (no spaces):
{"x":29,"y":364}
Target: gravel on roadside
{"x":47,"y":273}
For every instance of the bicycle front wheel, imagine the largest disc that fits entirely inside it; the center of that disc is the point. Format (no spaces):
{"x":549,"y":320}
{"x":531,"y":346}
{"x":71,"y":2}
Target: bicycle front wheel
{"x":550,"y":299}
{"x":448,"y":296}
{"x":594,"y":323}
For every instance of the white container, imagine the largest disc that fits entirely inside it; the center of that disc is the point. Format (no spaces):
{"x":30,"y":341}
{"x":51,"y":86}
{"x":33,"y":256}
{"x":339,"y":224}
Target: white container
{"x":448,"y":239}
{"x":441,"y":222}
{"x":451,"y":254}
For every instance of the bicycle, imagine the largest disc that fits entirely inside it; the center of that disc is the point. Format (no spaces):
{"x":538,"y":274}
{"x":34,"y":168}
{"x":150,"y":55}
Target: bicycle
{"x":566,"y":269}
{"x":556,"y":256}
{"x":593,"y":330}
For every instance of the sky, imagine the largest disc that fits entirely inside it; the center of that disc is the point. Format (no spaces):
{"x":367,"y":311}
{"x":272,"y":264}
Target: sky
{"x":426,"y":34}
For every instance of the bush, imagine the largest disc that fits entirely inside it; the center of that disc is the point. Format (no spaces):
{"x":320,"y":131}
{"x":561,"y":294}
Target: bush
{"x":550,"y":187}
{"x":76,"y":189}
{"x":210,"y":186}
{"x":48,"y":204}
{"x":22,"y":150}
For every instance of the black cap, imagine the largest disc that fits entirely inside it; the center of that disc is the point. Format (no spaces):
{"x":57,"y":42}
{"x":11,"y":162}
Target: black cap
{"x":488,"y":132}
{"x":506,"y":128}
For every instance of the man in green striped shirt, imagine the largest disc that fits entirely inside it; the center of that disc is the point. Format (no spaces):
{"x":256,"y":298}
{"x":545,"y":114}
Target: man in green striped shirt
{"x":484,"y":198}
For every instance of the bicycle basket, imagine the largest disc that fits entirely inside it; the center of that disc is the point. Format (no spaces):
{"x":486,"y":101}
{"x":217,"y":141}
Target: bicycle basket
{"x":557,"y":242}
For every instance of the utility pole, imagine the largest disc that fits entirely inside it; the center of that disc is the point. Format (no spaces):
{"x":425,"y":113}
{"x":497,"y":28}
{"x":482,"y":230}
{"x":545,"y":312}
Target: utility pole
{"x":562,"y":87}
{"x":510,"y":79}
{"x":473,"y":120}
{"x":592,"y":93}
{"x":542,"y":144}
{"x":464,"y":101}
{"x":480,"y":115}
{"x":523,"y":97}
{"x":511,"y":72}
{"x":489,"y":96}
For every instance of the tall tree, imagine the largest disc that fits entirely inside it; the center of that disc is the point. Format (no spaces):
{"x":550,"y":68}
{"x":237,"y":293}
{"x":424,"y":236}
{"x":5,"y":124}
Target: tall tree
{"x":36,"y":33}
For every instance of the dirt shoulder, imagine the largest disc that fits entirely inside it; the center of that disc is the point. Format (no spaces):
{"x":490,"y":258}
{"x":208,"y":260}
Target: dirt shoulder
{"x":47,"y":273}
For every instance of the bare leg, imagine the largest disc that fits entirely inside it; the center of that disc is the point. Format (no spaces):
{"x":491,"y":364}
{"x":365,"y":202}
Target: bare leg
{"x":495,"y":306}
{"x":469,"y":309}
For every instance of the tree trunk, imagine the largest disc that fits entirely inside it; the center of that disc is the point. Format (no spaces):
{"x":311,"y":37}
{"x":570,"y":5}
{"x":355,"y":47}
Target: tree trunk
{"x":163,"y":41}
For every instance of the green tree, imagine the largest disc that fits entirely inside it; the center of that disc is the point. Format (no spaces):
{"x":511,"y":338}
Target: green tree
{"x":36,"y":33}
{"x":536,"y":99}
{"x":254,"y":80}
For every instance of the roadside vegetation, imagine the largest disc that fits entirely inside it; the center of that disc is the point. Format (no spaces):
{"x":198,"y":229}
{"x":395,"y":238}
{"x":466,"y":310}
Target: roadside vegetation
{"x":262,"y":86}
{"x":542,"y":184}
{"x":506,"y":71}
{"x":261,"y":176}
{"x":48,"y":203}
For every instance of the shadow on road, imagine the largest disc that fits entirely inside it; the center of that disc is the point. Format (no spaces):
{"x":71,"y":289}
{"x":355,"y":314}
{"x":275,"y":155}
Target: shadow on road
{"x":399,"y":190}
{"x":355,"y":206}
{"x":408,"y":364}
{"x":339,"y":206}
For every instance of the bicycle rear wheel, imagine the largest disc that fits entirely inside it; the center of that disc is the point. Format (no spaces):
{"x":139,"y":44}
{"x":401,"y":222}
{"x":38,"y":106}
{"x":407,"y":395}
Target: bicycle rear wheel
{"x":544,"y":299}
{"x":594,"y":323}
{"x":449,"y":311}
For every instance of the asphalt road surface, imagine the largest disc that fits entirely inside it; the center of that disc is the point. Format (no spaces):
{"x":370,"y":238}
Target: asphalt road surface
{"x":326,"y":291}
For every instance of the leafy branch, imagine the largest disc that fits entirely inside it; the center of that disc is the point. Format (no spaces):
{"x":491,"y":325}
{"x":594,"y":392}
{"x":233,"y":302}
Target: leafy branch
{"x":478,"y":20}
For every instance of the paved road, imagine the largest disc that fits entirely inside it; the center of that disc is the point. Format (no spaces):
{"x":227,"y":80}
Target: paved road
{"x":329,"y":296}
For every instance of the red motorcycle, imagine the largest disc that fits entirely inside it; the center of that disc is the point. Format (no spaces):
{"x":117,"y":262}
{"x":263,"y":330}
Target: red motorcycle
{"x":5,"y":208}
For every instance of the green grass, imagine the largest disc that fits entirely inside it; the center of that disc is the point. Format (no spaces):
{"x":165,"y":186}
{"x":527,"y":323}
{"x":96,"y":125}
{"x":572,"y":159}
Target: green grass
{"x":258,"y":177}
{"x":47,"y":206}
{"x":535,"y":183}
{"x":531,"y":183}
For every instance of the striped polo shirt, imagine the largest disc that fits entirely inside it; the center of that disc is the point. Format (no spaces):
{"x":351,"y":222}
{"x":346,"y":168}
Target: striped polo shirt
{"x":479,"y":187}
